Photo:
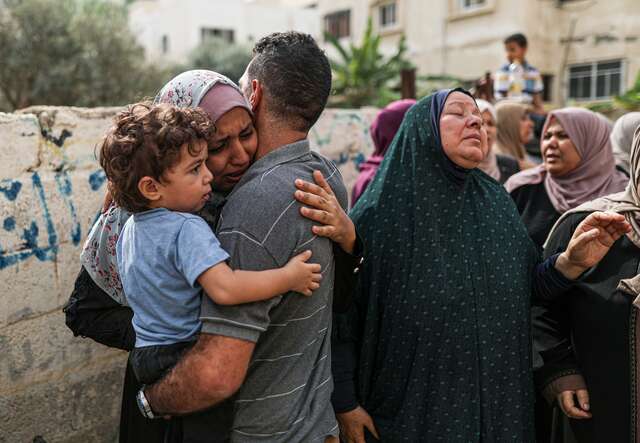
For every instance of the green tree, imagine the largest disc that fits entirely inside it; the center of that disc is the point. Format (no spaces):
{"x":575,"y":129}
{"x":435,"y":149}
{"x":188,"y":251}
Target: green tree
{"x":363,"y":76}
{"x":630,"y":100}
{"x":618,"y":105}
{"x":71,"y":52}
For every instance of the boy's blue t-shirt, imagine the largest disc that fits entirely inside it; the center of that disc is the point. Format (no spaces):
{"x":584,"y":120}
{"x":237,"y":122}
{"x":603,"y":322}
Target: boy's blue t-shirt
{"x":161,"y":253}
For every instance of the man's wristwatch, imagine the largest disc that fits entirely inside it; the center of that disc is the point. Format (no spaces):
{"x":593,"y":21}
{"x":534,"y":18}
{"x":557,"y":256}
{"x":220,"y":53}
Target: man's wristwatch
{"x":144,"y":406}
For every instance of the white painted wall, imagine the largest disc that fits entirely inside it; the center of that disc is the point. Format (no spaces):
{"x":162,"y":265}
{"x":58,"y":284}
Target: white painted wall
{"x":443,"y":40}
{"x":182,"y":21}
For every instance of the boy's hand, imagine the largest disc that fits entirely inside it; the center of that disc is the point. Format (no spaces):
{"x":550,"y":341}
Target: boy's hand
{"x":305,"y":277}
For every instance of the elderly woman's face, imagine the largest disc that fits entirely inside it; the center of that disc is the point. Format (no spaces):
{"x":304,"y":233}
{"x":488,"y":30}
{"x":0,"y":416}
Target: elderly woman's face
{"x":559,"y":154}
{"x":232,"y":148}
{"x":489,"y":125}
{"x":463,"y":137}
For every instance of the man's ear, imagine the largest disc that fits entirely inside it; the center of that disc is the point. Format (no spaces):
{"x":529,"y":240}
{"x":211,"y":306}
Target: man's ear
{"x":256,"y":94}
{"x":150,"y":188}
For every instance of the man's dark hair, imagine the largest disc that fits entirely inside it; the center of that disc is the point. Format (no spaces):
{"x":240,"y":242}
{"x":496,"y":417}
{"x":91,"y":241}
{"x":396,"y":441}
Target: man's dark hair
{"x":147,"y":140}
{"x":295,"y":74}
{"x":519,"y":39}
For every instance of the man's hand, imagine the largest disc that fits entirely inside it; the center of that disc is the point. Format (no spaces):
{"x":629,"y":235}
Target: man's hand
{"x":353,"y":423}
{"x":568,"y":405}
{"x":326,"y":209}
{"x":590,"y":242}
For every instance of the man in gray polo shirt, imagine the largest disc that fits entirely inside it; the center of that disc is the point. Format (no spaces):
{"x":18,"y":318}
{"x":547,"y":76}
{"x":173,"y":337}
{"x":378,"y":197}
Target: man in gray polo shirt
{"x":277,"y":352}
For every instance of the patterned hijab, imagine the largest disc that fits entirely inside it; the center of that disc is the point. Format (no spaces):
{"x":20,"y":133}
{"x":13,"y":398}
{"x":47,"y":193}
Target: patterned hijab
{"x":383,"y":129}
{"x":209,"y":90}
{"x":622,"y":138}
{"x":508,"y":120}
{"x":441,"y":316}
{"x":217,"y":95}
{"x":596,"y":174}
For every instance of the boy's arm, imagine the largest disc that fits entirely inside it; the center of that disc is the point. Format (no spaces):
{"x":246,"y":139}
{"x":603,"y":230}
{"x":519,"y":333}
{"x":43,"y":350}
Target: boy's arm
{"x":538,"y":107}
{"x":227,"y":286}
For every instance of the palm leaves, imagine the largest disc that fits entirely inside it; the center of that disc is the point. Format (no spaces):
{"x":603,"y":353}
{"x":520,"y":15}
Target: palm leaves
{"x":630,"y":100}
{"x":363,"y":76}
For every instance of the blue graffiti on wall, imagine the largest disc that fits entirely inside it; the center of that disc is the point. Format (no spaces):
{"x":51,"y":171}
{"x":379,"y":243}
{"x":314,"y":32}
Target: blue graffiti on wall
{"x":30,"y":236}
{"x":343,"y":120}
{"x":10,"y":189}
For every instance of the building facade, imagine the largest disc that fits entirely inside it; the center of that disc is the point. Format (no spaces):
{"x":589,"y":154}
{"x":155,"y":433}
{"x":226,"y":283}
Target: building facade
{"x":169,"y":30}
{"x":587,"y":50}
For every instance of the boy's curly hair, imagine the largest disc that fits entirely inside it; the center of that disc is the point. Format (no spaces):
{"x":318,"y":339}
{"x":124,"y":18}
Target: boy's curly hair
{"x":146,"y":140}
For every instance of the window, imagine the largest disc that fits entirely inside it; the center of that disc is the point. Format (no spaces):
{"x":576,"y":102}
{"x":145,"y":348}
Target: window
{"x":594,"y":81}
{"x":471,"y":4}
{"x":338,"y":24}
{"x":207,"y":34}
{"x":387,"y":15}
{"x":463,"y":9}
{"x":165,"y":44}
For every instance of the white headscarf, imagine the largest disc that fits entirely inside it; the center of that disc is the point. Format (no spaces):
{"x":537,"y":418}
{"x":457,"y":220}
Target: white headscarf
{"x":622,"y":138}
{"x":490,"y":163}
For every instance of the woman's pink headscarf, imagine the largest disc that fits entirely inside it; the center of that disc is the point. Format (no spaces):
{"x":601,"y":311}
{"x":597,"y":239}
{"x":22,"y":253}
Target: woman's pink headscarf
{"x":596,"y":174}
{"x":383,"y":129}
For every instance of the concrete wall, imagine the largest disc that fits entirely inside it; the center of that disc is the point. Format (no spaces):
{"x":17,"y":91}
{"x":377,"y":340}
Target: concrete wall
{"x":63,"y":388}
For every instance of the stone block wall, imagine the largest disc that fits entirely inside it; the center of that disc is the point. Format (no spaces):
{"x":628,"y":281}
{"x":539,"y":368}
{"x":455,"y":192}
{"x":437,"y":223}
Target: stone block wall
{"x":65,"y":388}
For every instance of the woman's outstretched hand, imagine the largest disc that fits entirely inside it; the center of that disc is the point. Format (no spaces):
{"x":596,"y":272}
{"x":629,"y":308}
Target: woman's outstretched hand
{"x":325,"y":208}
{"x":590,"y":242}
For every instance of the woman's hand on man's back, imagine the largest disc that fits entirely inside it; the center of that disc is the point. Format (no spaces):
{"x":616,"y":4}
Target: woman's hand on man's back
{"x":325,"y":209}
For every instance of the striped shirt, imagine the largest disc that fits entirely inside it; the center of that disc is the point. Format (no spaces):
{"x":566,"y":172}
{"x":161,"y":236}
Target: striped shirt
{"x":286,"y":394}
{"x":515,"y":85}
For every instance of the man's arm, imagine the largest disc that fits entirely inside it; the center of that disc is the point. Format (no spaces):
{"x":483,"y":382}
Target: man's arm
{"x":210,"y":372}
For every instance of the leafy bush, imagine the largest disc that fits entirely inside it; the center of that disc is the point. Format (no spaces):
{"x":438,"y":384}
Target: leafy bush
{"x":363,"y":76}
{"x":71,"y":52}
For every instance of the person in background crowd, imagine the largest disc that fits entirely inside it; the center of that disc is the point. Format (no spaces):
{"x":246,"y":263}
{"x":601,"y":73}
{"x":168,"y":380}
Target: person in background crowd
{"x":622,"y":138}
{"x":437,"y":345}
{"x":517,"y":80}
{"x":497,"y":166}
{"x":589,"y":340}
{"x":578,"y":166}
{"x":383,"y":129}
{"x":514,"y":129}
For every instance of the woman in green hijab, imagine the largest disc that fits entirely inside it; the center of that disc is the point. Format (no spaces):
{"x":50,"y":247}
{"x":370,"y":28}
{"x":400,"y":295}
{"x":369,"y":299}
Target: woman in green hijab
{"x":437,"y":345}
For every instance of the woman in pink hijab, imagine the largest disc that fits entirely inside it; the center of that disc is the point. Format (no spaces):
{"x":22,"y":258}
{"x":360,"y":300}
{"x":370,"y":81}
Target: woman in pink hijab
{"x":578,"y":166}
{"x":383,"y":129}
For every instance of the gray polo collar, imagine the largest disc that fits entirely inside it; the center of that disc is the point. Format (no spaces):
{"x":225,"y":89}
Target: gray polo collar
{"x":281,"y":155}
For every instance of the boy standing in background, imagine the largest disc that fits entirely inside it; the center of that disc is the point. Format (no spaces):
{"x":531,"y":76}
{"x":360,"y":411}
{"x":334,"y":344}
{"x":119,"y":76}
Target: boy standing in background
{"x":517,"y":80}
